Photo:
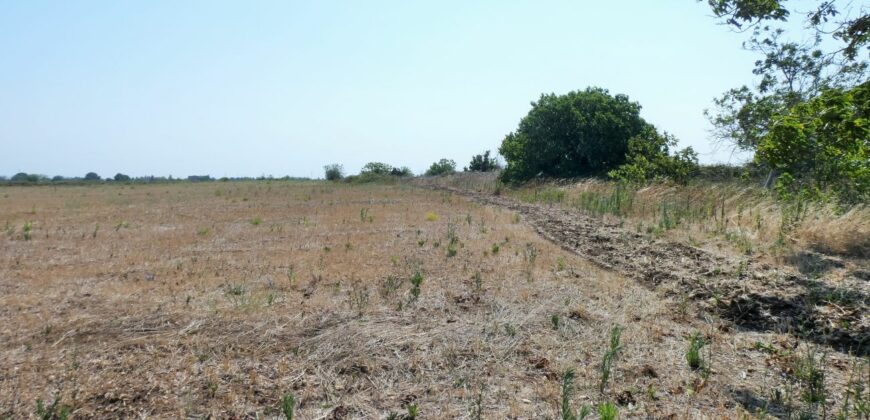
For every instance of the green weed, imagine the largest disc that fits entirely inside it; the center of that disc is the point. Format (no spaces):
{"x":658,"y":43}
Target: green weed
{"x":609,"y":356}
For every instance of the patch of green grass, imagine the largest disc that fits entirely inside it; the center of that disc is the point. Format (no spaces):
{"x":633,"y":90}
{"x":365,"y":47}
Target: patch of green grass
{"x":608,"y":411}
{"x":256,"y":221}
{"x":288,"y":405}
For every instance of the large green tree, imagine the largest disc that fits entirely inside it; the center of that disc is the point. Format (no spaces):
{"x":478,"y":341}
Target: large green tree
{"x":581,"y":133}
{"x":788,"y":72}
{"x":823,"y":145}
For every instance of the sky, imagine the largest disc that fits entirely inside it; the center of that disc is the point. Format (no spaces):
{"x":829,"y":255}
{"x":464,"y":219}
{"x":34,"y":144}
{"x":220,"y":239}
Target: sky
{"x":231,"y":88}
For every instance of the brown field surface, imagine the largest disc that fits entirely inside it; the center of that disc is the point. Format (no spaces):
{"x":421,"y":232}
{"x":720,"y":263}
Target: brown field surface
{"x":217,"y":299}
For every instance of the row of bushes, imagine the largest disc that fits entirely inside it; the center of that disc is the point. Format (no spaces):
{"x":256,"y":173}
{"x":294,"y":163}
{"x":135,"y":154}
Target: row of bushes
{"x":23,"y":178}
{"x":379,"y":171}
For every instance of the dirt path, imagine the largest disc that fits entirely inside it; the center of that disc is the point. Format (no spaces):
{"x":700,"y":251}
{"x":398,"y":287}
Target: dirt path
{"x":750,"y":294}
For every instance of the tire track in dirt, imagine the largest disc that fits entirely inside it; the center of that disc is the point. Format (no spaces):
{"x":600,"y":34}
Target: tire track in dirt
{"x":750,"y":294}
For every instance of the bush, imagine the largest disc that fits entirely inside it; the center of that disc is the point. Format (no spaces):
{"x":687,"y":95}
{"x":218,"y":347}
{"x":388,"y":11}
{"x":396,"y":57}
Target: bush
{"x":483,"y":163}
{"x":92,"y":176}
{"x":376,"y":168}
{"x":401,"y":172}
{"x":442,"y":167}
{"x":333,"y":172}
{"x":648,"y":159}
{"x":379,"y":172}
{"x":121,"y":177}
{"x":581,"y":133}
{"x":25,"y":177}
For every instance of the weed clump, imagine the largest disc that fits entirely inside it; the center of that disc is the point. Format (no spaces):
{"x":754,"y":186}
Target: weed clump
{"x":26,"y":230}
{"x":693,"y":354}
{"x":288,"y":405}
{"x":416,"y":282}
{"x":609,"y":356}
{"x":567,"y":389}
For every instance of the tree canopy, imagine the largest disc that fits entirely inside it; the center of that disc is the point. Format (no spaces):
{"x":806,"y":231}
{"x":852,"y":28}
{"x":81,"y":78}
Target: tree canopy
{"x":580,"y":133}
{"x":805,"y":117}
{"x":333,"y":172}
{"x":482,"y":163}
{"x":823,"y":144}
{"x":442,"y":167}
{"x":827,"y":17}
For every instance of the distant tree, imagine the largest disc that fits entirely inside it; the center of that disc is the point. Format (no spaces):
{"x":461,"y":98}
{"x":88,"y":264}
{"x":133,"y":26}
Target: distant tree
{"x":376,"y":168}
{"x":482,"y":163}
{"x":25,"y":177}
{"x":199,"y":178}
{"x":401,"y":172}
{"x":121,"y":177}
{"x":442,"y":167}
{"x":581,"y":133}
{"x":333,"y":172}
{"x":20,"y":177}
{"x":57,"y":178}
{"x":92,"y":176}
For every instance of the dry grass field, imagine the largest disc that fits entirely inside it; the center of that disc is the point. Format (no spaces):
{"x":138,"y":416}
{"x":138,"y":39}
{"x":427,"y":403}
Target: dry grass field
{"x":198,"y":300}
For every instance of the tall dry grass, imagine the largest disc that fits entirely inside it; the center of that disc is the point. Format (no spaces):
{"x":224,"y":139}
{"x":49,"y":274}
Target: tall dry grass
{"x":743,"y":215}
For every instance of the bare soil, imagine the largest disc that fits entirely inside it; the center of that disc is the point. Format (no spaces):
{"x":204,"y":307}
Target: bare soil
{"x":750,"y":293}
{"x":218,"y":299}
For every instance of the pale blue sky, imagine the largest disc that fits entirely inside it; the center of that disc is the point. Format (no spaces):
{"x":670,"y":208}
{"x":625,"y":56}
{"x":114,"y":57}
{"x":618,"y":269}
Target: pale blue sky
{"x":249,"y":88}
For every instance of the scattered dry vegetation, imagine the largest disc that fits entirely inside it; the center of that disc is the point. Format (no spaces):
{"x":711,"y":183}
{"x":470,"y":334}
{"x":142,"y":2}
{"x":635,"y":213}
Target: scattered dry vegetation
{"x":239,"y":300}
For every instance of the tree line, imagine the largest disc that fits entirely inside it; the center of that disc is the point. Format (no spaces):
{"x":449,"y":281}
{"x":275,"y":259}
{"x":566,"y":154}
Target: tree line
{"x":94,"y":178}
{"x":806,"y":119}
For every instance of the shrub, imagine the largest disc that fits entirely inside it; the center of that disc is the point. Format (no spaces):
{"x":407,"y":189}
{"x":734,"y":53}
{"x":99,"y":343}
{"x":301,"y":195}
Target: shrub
{"x":483,"y":163}
{"x":92,"y":176}
{"x":648,"y":158}
{"x":121,"y":177}
{"x":401,"y":172}
{"x":25,"y":177}
{"x":376,"y":168}
{"x":581,"y":133}
{"x":442,"y":167}
{"x":333,"y":172}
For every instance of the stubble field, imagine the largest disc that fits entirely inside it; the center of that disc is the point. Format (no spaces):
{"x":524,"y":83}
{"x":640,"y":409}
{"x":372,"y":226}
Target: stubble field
{"x":219,"y":299}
